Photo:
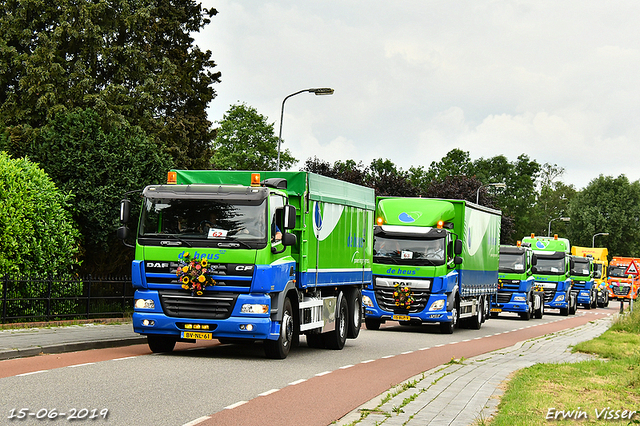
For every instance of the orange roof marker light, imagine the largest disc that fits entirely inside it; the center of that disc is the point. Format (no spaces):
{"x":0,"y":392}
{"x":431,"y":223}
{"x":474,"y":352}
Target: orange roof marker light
{"x":255,"y":179}
{"x":172,"y":178}
{"x":440,"y":224}
{"x":379,"y":221}
{"x":519,"y":243}
{"x":533,"y":235}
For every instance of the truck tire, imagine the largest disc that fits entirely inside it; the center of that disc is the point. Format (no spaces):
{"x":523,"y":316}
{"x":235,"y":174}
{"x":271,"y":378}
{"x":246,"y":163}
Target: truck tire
{"x":564,"y":312}
{"x":540,"y":311}
{"x":354,"y":303}
{"x":336,"y":339}
{"x":594,"y":300}
{"x":527,"y":315}
{"x":315,"y":341}
{"x":279,"y":349}
{"x":372,"y":323}
{"x":475,"y":322}
{"x":573,"y":306}
{"x":159,"y":344}
{"x":448,"y":327}
{"x":606,"y":300}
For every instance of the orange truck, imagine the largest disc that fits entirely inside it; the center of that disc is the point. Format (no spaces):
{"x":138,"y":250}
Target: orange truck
{"x":624,"y":279}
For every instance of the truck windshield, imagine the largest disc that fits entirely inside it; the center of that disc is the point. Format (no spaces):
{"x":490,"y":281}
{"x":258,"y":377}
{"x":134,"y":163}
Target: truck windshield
{"x":201,"y":219}
{"x":580,"y":269}
{"x":617,"y":271}
{"x":547,"y":266}
{"x":511,"y":262}
{"x":409,"y":251}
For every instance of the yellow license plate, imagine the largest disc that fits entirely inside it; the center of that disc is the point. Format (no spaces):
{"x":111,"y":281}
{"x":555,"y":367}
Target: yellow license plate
{"x":496,"y":310}
{"x":401,"y":317}
{"x":196,"y":335}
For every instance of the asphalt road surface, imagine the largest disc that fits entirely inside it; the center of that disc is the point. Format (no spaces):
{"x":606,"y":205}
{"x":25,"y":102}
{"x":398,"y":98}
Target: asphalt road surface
{"x":214,"y":384}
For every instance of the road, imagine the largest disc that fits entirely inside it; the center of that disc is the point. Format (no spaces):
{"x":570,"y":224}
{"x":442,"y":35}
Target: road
{"x":234,"y":384}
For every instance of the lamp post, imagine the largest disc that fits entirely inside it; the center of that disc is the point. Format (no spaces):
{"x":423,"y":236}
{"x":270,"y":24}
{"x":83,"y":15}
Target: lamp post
{"x":497,"y":185}
{"x":564,"y":219}
{"x":320,"y":91}
{"x":593,"y":240}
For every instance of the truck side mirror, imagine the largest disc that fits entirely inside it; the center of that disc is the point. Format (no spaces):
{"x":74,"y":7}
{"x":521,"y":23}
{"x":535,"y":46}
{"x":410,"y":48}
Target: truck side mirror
{"x":534,"y":260}
{"x":289,"y":217}
{"x":123,"y":232}
{"x":457,"y":260}
{"x":289,"y":239}
{"x":457,"y":248}
{"x":125,"y":209}
{"x":572,"y":264}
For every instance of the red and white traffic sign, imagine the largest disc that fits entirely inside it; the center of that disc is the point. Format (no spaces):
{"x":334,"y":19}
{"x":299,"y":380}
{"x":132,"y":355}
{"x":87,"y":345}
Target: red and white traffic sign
{"x":632,"y":269}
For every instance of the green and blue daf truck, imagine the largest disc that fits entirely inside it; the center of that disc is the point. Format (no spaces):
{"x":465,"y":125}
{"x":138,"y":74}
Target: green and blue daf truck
{"x":518,"y":291}
{"x":241,"y":256}
{"x":434,"y":261}
{"x":583,"y":285}
{"x":552,"y":271}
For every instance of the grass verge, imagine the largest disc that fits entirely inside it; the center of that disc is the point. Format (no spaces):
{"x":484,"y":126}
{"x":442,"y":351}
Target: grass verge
{"x":595,"y":392}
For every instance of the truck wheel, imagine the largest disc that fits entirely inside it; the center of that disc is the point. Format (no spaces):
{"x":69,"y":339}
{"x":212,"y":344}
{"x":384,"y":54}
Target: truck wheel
{"x":476,"y":322}
{"x":606,"y":300}
{"x":354,"y":301}
{"x":315,"y":341}
{"x":448,"y":327}
{"x":372,"y":323}
{"x":336,"y":339}
{"x":527,"y":315}
{"x":587,"y":305}
{"x":564,"y":312}
{"x":279,"y":349}
{"x":594,"y":300}
{"x":573,"y":306}
{"x":159,"y":344}
{"x":486,"y":304}
{"x":540,"y":311}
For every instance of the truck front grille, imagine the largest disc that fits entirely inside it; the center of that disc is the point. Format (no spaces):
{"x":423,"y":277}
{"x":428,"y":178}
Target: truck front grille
{"x":386,"y":301}
{"x":178,"y":303}
{"x":504,"y":296}
{"x":549,"y":295}
{"x":620,"y":291}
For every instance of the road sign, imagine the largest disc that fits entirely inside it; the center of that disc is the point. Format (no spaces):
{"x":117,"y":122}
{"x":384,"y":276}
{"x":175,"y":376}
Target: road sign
{"x":632,"y":269}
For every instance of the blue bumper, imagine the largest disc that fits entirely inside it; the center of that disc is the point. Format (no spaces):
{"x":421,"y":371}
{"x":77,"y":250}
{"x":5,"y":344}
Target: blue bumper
{"x":512,"y":306}
{"x":373,"y":310}
{"x":584,"y":296}
{"x":559,"y":301}
{"x":235,"y":326}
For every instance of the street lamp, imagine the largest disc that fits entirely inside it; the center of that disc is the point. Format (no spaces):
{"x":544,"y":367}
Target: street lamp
{"x":320,"y":91}
{"x":497,"y":185}
{"x":593,"y":240}
{"x":564,"y":219}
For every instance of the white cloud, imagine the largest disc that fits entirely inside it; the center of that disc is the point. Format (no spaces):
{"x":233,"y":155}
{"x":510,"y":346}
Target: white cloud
{"x":554,"y":80}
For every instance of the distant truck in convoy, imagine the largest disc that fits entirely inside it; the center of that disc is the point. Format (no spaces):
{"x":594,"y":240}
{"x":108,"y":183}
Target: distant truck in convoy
{"x":600,"y":268}
{"x":518,"y":291}
{"x":623,"y":285}
{"x":240,"y":256}
{"x":435,"y":261}
{"x":583,"y":285}
{"x":552,"y":272}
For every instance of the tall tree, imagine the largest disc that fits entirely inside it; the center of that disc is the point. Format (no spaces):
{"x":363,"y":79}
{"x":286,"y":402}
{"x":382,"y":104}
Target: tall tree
{"x":246,"y":141}
{"x":386,"y":179}
{"x":610,"y":205}
{"x":129,"y":60}
{"x":455,"y":163}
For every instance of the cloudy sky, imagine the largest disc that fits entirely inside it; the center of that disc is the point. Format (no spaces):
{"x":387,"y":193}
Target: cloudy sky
{"x":555,"y":80}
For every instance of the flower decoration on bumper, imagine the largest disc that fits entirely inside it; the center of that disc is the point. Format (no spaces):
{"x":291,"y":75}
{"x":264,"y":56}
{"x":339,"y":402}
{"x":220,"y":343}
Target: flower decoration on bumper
{"x":194,"y":275}
{"x":403,"y":296}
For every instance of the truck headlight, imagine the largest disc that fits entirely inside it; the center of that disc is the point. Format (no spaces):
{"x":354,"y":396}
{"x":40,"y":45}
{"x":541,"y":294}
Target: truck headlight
{"x":366,"y":301}
{"x":144,"y":304}
{"x":254,"y":309}
{"x":437,"y":305}
{"x":560,"y":298}
{"x":519,"y":299}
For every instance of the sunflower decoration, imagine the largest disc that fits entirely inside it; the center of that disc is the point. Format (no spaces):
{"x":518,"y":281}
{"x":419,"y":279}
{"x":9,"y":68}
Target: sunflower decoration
{"x":403,"y":296}
{"x":194,"y":275}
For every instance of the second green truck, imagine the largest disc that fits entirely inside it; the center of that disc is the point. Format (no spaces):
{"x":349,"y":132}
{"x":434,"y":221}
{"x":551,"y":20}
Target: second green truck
{"x":434,"y":261}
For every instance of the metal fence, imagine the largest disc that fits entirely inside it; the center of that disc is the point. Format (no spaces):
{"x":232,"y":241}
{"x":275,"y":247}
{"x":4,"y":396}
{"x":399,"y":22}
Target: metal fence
{"x":27,"y":299}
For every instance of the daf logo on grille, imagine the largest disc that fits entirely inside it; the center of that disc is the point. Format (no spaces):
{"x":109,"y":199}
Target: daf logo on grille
{"x":157,"y":265}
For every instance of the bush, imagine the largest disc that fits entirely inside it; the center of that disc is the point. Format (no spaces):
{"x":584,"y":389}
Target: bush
{"x":37,"y":233}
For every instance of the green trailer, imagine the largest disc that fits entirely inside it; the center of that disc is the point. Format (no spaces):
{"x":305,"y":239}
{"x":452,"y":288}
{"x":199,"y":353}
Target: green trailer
{"x":435,"y":261}
{"x":242,"y":256}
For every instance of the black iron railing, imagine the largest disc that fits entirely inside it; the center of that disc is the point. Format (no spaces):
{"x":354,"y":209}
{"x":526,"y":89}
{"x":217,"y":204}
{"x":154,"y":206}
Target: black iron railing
{"x":29,"y":298}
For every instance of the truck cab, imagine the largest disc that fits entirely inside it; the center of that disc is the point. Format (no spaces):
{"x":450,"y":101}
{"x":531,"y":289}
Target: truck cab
{"x":583,"y":284}
{"x":552,"y":272}
{"x":621,"y":284}
{"x":517,"y":291}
